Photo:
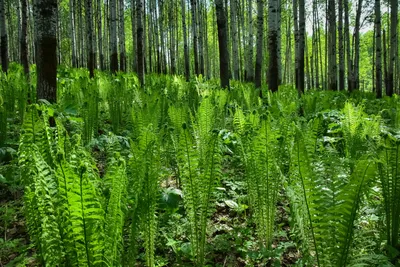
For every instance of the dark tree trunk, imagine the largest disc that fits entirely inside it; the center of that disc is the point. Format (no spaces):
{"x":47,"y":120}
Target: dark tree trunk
{"x":24,"y":38}
{"x":394,"y":5}
{"x":341,"y":47}
{"x":4,"y":37}
{"x":273,"y":67}
{"x":140,"y":42}
{"x":89,"y":35}
{"x":260,"y":37}
{"x":46,"y":20}
{"x":113,"y":37}
{"x":378,"y":48}
{"x":185,"y":42}
{"x":222,"y":43}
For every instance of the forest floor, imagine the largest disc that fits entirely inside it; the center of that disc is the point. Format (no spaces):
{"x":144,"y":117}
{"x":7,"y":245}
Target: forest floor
{"x":232,"y":238}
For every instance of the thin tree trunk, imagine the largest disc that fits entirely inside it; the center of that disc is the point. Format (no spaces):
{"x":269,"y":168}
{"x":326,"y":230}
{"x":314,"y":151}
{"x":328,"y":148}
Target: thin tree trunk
{"x":355,"y":79}
{"x":122,"y":52}
{"x":222,"y":43}
{"x":24,"y":38}
{"x":74,"y":62}
{"x":200,"y":27}
{"x":140,"y":42}
{"x":46,"y":20}
{"x":172,"y":27}
{"x":332,"y":46}
{"x":341,"y":47}
{"x":273,"y":72}
{"x":185,"y":42}
{"x":260,"y":36}
{"x":4,"y":37}
{"x":302,"y":44}
{"x":100,"y":35}
{"x":235,"y":40}
{"x":378,"y":49}
{"x":195,"y":36}
{"x":250,"y":53}
{"x":113,"y":37}
{"x":89,"y":36}
{"x":348,"y":44}
{"x":134,"y":31}
{"x":394,"y":4}
{"x":296,"y":45}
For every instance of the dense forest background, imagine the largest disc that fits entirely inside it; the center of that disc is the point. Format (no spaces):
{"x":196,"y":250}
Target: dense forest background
{"x":337,"y":45}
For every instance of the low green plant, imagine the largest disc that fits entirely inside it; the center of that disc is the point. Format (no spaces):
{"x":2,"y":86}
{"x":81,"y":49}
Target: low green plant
{"x":199,"y":163}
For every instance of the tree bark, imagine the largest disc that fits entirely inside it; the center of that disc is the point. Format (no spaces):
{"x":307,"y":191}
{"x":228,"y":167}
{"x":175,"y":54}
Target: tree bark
{"x":235,"y":40}
{"x":355,"y":77}
{"x":74,"y":62}
{"x":249,"y":62}
{"x":122,"y":52}
{"x":260,"y":37}
{"x":185,"y":42}
{"x":347,"y":44}
{"x":100,"y":35}
{"x":394,"y":5}
{"x":378,"y":49}
{"x":46,"y":20}
{"x":24,"y":38}
{"x":341,"y":47}
{"x":4,"y":37}
{"x":193,"y":4}
{"x":89,"y":37}
{"x":302,"y":43}
{"x":222,"y":44}
{"x":113,"y":37}
{"x":140,"y":42}
{"x":332,"y":83}
{"x":273,"y":71}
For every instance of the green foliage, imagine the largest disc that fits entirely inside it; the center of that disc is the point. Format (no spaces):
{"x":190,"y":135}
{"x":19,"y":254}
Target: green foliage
{"x":326,"y":195}
{"x":199,"y":163}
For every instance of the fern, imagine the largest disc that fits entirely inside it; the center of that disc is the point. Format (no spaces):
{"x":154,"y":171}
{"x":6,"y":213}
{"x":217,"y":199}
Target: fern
{"x":331,"y":192}
{"x":144,"y":169}
{"x":389,"y":163}
{"x":263,"y":179}
{"x":199,"y":163}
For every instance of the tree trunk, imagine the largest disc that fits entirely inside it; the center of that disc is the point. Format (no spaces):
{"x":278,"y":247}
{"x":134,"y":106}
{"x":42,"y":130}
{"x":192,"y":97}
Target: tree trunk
{"x":134,"y":31}
{"x":260,"y":37}
{"x":235,"y":40}
{"x":302,"y":43}
{"x":172,"y":27}
{"x":273,"y":71}
{"x":185,"y":42}
{"x":250,"y":53}
{"x":195,"y":36}
{"x":46,"y":20}
{"x":113,"y":37}
{"x":81,"y":35}
{"x":222,"y":43}
{"x":100,"y":35}
{"x":4,"y":37}
{"x":355,"y":79}
{"x":341,"y":47}
{"x":332,"y":83}
{"x":122,"y":52}
{"x":74,"y":62}
{"x":394,"y":4}
{"x":378,"y":47}
{"x":140,"y":42}
{"x":200,"y":27}
{"x":89,"y":36}
{"x":296,"y":44}
{"x":24,"y":38}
